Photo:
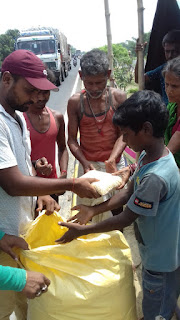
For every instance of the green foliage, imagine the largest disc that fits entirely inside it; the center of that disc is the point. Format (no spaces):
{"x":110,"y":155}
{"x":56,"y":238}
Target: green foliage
{"x":130,"y":45}
{"x":122,"y":64}
{"x":124,"y":55}
{"x":132,"y":90}
{"x":7,"y":41}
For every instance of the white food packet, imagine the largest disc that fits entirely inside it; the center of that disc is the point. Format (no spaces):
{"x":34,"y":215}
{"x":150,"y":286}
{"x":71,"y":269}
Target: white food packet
{"x":107,"y":182}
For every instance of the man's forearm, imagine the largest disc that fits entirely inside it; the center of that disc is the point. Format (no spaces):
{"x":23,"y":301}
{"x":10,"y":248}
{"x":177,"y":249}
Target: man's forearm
{"x":77,"y":153}
{"x":118,"y":149}
{"x":63,"y":158}
{"x":16,"y":184}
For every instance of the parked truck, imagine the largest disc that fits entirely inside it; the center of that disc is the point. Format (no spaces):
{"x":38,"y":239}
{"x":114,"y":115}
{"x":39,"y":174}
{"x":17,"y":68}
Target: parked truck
{"x":51,"y":46}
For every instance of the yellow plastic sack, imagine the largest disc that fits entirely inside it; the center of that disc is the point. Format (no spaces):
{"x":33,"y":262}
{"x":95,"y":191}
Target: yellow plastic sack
{"x":91,"y":277}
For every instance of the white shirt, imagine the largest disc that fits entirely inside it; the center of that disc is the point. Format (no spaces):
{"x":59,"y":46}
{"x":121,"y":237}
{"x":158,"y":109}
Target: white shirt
{"x":15,"y":150}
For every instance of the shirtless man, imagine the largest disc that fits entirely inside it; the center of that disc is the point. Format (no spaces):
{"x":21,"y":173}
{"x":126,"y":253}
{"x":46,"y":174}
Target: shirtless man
{"x":90,"y":111}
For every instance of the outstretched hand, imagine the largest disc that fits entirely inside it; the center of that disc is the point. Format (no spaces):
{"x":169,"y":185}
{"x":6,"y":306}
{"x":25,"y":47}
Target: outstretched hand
{"x":75,"y":230}
{"x":8,"y":242}
{"x":83,"y":216}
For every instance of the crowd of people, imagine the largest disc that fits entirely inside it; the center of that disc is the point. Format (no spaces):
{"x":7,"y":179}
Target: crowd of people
{"x":108,"y":121}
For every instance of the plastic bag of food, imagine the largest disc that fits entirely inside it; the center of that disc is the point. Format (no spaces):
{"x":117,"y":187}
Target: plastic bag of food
{"x":91,"y":277}
{"x":107,"y":182}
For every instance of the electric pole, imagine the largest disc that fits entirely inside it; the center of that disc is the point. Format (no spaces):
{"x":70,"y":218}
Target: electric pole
{"x":109,"y":41}
{"x":140,"y":10}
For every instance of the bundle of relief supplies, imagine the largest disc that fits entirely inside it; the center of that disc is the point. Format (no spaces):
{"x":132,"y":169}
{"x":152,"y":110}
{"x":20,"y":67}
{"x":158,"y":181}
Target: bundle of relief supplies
{"x":91,"y":277}
{"x":106,"y":181}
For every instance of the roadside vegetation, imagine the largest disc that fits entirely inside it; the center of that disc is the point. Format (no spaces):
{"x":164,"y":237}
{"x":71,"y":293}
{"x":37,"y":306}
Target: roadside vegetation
{"x":124,"y":58}
{"x":124,"y":63}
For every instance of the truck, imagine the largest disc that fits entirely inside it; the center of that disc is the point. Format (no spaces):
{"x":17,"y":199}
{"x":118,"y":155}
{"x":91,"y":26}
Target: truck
{"x":69,"y":55}
{"x":51,"y":46}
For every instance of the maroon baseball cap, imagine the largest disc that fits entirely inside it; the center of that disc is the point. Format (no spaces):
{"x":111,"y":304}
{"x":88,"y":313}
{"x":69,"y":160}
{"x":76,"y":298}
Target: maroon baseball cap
{"x":26,"y":64}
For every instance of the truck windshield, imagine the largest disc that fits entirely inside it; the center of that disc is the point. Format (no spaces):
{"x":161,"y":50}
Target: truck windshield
{"x":38,"y":46}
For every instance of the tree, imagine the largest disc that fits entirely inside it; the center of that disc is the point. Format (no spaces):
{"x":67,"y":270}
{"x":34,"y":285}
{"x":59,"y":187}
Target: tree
{"x":124,"y":60}
{"x":130,"y":45}
{"x":122,"y":63}
{"x":7,"y":41}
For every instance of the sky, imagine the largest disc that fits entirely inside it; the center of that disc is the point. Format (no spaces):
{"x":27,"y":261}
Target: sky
{"x":82,"y":21}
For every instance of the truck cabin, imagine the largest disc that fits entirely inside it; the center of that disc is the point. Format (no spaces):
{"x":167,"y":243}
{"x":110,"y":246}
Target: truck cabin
{"x":39,"y":47}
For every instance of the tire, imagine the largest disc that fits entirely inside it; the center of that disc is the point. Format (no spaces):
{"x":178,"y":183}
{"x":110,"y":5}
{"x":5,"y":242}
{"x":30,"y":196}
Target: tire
{"x":62,"y":75}
{"x":58,"y":81}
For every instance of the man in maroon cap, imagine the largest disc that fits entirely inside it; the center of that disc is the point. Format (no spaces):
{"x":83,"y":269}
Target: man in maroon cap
{"x":23,"y":83}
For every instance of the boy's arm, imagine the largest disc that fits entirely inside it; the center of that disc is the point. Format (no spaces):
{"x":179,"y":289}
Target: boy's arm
{"x":122,"y":220}
{"x":87,"y":213}
{"x":118,"y":200}
{"x":144,"y":201}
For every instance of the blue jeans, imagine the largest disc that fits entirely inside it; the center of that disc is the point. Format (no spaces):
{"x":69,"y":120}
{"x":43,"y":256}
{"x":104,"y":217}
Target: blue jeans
{"x":160,"y":294}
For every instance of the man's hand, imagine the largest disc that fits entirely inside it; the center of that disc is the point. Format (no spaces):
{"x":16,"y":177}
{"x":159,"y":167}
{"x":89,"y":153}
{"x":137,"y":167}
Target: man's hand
{"x":36,"y":284}
{"x":110,"y":166}
{"x":140,"y":46}
{"x":82,"y":187}
{"x":47,"y":203}
{"x":75,"y":230}
{"x":8,"y":242}
{"x":124,"y":173}
{"x":88,"y":166}
{"x":43,"y":167}
{"x":83,"y":216}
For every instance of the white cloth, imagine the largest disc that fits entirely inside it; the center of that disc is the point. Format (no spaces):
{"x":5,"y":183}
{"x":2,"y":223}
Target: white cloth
{"x":15,"y":212}
{"x":100,"y":166}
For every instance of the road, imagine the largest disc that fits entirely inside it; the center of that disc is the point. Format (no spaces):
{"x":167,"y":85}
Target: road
{"x":58,"y":100}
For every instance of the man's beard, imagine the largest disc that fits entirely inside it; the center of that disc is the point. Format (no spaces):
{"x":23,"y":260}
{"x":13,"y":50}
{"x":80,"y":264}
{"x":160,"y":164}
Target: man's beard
{"x":21,"y":107}
{"x":99,"y":94}
{"x":14,"y":105}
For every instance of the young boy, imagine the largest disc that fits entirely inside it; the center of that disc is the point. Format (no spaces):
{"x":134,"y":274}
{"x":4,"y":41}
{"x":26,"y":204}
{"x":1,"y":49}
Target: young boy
{"x":152,"y":201}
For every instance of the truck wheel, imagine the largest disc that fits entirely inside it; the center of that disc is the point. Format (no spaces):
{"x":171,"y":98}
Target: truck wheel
{"x":62,"y":75}
{"x":58,"y":81}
